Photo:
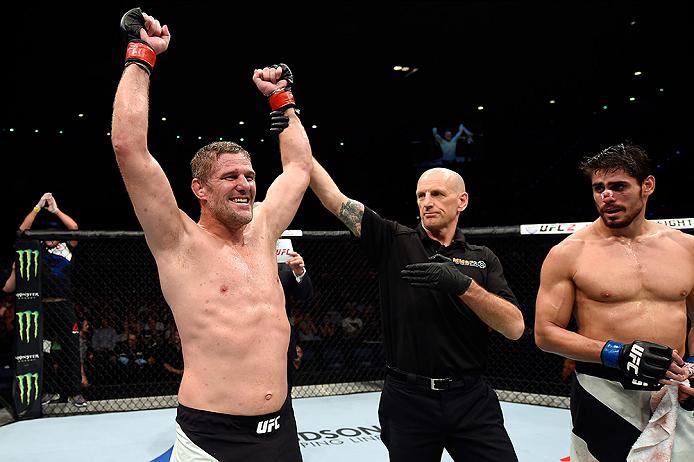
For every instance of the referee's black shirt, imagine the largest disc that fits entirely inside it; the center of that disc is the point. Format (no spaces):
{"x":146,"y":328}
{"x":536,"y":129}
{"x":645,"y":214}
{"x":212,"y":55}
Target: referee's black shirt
{"x":425,"y":331}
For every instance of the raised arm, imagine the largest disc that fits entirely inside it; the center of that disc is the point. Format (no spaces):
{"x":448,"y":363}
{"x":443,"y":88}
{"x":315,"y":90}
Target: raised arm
{"x":147,"y":185}
{"x":461,"y":129}
{"x":349,"y":211}
{"x":285,"y":193}
{"x":31,"y":216}
{"x":67,"y":220}
{"x":11,"y":282}
{"x":437,"y":137}
{"x":554,"y":306}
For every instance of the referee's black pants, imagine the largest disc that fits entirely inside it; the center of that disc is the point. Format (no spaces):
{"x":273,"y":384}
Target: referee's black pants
{"x":418,"y":423}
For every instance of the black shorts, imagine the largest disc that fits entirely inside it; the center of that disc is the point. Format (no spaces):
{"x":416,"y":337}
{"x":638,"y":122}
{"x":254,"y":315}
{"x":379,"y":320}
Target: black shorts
{"x":229,"y":438}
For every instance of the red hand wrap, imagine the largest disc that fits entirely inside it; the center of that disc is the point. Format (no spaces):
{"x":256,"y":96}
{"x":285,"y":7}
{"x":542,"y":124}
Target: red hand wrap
{"x":281,"y":100}
{"x":139,"y":51}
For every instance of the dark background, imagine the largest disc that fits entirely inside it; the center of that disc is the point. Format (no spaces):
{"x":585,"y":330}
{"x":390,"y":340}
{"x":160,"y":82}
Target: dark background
{"x":510,"y":57}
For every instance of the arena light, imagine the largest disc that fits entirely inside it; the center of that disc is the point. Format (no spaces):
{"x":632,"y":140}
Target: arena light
{"x":631,"y":98}
{"x":36,"y":131}
{"x":241,"y":139}
{"x":241,"y":122}
{"x":661,"y":90}
{"x":80,"y":115}
{"x":341,"y":143}
{"x":199,"y":137}
{"x":178,"y":137}
{"x":60,"y":132}
{"x":108,"y":133}
{"x":163,"y":119}
{"x":221,"y":139}
{"x":262,"y":140}
{"x":480,"y":108}
{"x":604,"y":107}
{"x":11,"y":129}
{"x":405,"y":68}
{"x":397,"y":68}
{"x":552,"y":101}
{"x":637,"y":73}
{"x":314,"y":126}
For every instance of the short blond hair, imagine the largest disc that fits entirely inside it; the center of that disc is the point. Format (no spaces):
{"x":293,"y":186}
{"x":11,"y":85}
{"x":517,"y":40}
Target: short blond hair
{"x":203,"y":161}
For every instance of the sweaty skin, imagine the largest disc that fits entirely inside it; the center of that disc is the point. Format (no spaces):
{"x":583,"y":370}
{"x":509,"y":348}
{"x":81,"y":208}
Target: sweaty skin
{"x":219,"y":275}
{"x":229,"y":305}
{"x":627,"y":289}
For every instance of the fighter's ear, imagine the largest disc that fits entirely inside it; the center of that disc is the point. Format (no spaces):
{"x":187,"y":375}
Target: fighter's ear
{"x":648,"y":185}
{"x":198,"y":189}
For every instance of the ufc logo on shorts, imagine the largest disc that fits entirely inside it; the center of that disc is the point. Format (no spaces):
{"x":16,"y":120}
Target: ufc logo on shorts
{"x":635,"y":359}
{"x":269,"y":425}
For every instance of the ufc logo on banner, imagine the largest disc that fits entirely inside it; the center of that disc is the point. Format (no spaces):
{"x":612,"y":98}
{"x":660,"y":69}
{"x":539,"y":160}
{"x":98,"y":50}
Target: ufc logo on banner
{"x":635,"y":359}
{"x":267,"y":426}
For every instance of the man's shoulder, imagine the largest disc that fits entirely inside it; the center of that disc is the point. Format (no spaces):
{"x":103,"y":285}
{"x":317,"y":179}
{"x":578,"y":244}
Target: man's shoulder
{"x":569,"y":248}
{"x":681,"y":238}
{"x":396,"y":226}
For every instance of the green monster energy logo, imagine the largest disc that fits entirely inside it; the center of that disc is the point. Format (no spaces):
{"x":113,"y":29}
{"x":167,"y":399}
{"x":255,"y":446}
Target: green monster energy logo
{"x":26,"y":382}
{"x":28,"y":260}
{"x":27,"y":320}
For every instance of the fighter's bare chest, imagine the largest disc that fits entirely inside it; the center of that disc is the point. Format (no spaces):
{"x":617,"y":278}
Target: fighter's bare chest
{"x":630,"y":271}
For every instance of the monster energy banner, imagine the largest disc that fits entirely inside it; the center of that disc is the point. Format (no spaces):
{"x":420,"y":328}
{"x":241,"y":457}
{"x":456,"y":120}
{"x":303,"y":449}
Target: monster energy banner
{"x":28,"y":331}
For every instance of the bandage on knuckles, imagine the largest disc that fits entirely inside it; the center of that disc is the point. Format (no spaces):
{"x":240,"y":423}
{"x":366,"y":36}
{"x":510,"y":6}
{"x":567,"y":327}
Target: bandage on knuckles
{"x":138,"y":51}
{"x":640,"y":359}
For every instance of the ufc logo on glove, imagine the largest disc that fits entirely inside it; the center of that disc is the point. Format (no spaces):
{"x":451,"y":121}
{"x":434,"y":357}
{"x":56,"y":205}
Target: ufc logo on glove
{"x":635,"y":356}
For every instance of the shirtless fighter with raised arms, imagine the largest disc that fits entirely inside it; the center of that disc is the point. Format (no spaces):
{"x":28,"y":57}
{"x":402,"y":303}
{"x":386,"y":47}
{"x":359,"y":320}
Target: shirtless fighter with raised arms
{"x":219,"y":275}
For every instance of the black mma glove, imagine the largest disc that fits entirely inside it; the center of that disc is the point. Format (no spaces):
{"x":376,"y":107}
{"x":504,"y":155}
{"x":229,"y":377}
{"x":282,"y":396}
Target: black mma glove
{"x":282,"y":98}
{"x":638,"y":360}
{"x":278,"y":122}
{"x":138,"y":51}
{"x":439,"y":274}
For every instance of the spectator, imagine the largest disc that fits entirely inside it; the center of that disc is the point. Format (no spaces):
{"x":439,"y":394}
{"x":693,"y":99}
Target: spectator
{"x":105,"y":337}
{"x":86,"y":353}
{"x":297,"y":287}
{"x":153,"y":334}
{"x":352,"y":325}
{"x":135,"y":359}
{"x":172,"y":357}
{"x":448,"y":143}
{"x":61,"y":327}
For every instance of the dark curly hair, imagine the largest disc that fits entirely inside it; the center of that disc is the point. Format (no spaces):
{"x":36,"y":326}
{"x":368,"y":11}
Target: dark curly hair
{"x":628,"y":157}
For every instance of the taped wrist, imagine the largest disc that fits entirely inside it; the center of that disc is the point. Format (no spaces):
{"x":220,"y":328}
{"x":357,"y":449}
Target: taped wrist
{"x":610,"y":353}
{"x":281,"y":99}
{"x":140,"y":53}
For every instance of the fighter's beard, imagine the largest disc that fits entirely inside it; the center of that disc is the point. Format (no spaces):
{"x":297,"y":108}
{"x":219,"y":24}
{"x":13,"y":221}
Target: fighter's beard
{"x":230,"y":218}
{"x":623,"y":223}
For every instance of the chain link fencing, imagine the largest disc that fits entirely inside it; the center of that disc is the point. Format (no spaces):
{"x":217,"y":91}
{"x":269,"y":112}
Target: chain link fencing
{"x":110,"y":335}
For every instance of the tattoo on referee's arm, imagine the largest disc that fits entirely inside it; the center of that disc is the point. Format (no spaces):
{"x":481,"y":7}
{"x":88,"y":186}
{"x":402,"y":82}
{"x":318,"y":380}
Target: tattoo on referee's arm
{"x":351,"y":214}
